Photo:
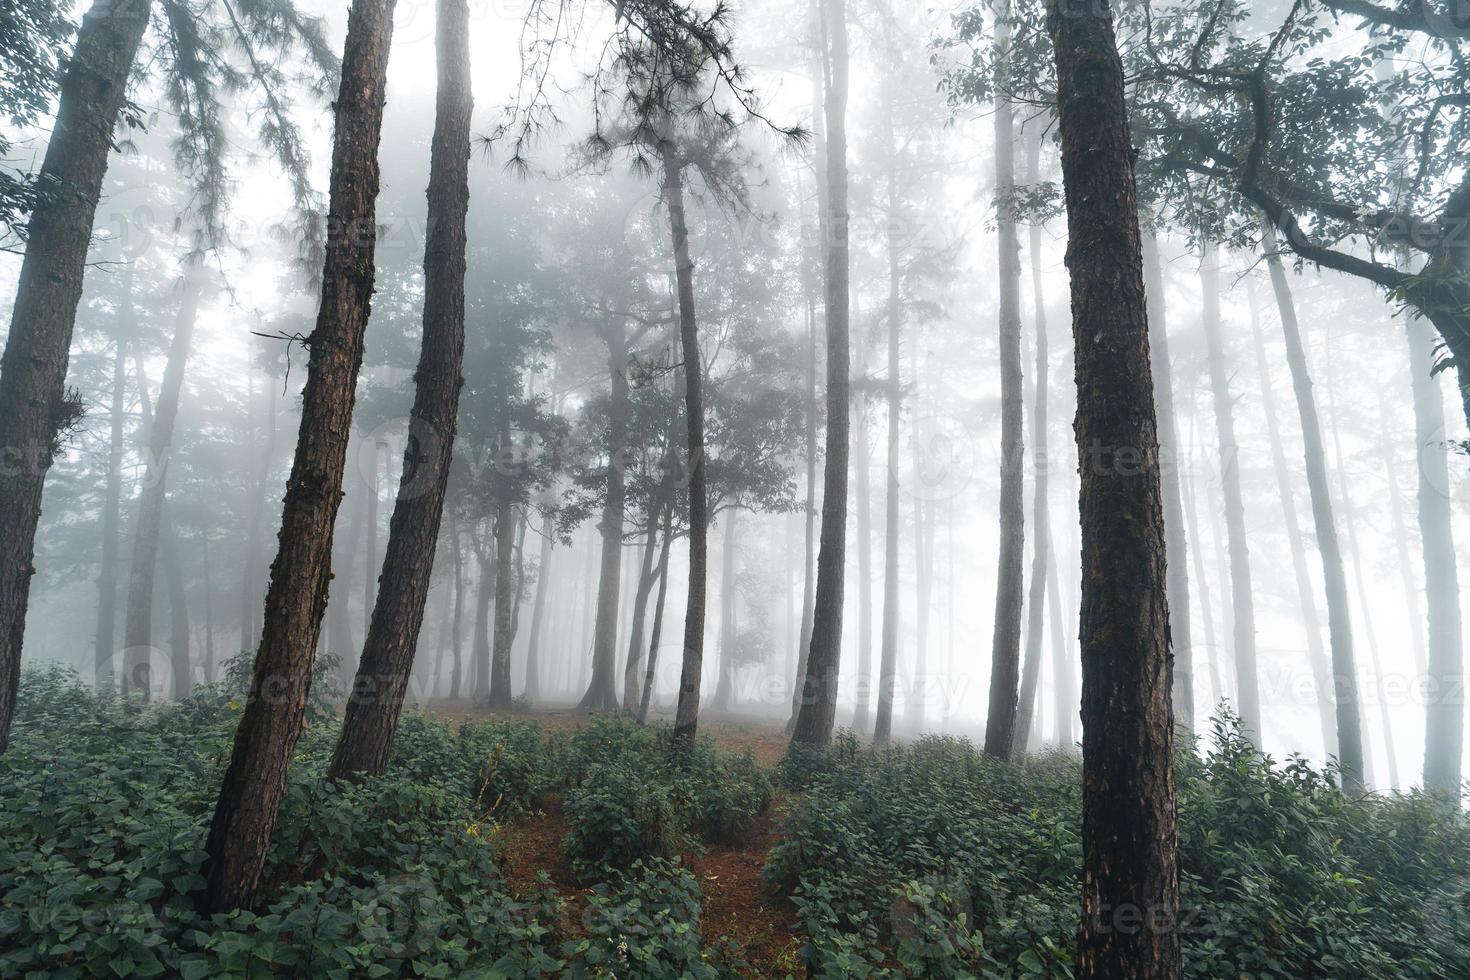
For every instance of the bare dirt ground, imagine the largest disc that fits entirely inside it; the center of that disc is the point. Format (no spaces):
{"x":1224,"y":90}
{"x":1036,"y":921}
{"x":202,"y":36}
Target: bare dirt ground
{"x":738,"y":903}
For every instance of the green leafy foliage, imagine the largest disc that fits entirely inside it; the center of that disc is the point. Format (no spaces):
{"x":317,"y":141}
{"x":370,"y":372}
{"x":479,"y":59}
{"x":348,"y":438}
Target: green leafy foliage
{"x":104,"y":808}
{"x":934,"y":861}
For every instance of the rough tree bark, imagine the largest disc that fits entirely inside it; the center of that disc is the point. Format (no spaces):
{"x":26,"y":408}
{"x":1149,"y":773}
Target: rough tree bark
{"x":138,"y":629}
{"x":818,"y":708}
{"x":1339,"y":617}
{"x":275,"y":707}
{"x":33,"y":403}
{"x":1242,"y":598}
{"x":1129,"y":819}
{"x":686,"y":713}
{"x":1005,"y":643}
{"x":413,"y":529}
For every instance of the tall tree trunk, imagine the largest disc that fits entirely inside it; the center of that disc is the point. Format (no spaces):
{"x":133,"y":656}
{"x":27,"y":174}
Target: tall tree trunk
{"x":506,"y":588}
{"x":818,"y":709}
{"x":1242,"y":599}
{"x":724,"y":689}
{"x":1401,"y":536}
{"x":1005,"y":644}
{"x":1339,"y":617}
{"x":1040,"y":518}
{"x":484,"y":594}
{"x":893,"y":391}
{"x":602,"y":693}
{"x":1181,"y":638}
{"x":456,"y":676}
{"x":370,"y":540}
{"x":1444,"y":714}
{"x":1129,"y":829}
{"x":921,"y":689}
{"x":532,"y":690}
{"x":686,"y":714}
{"x":111,"y":517}
{"x":646,"y":570}
{"x":1202,"y":584}
{"x":862,"y":689}
{"x":180,"y":660}
{"x":211,"y":660}
{"x":658,"y":615}
{"x":1064,"y":694}
{"x":275,"y":707}
{"x":33,"y":403}
{"x":138,"y":630}
{"x":1316,"y":655}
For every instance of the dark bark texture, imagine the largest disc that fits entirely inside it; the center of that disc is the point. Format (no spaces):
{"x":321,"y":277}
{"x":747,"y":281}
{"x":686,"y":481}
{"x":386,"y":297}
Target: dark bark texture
{"x":275,"y":707}
{"x":1130,"y":882}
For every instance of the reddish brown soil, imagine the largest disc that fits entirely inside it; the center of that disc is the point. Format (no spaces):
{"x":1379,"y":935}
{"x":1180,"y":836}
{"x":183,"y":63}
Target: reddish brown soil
{"x":738,"y":903}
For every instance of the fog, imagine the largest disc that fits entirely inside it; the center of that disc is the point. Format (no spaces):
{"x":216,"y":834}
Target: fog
{"x":564,"y":250}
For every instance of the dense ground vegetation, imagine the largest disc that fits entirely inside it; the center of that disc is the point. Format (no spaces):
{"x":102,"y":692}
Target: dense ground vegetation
{"x":926,"y":861}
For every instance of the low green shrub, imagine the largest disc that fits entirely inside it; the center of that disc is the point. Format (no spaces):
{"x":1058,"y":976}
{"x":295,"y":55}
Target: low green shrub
{"x":619,"y":817}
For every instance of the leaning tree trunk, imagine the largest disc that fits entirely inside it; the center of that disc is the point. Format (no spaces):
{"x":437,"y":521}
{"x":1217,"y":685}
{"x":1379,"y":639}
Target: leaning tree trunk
{"x":413,"y":530}
{"x":138,"y":630}
{"x":893,"y":390}
{"x":1181,"y":638}
{"x":1040,"y":519}
{"x":507,"y":587}
{"x":686,"y":714}
{"x":658,"y":615}
{"x":111,"y":515}
{"x":1316,"y":655}
{"x":818,"y":708}
{"x":1444,"y":715}
{"x":1129,"y":820}
{"x":275,"y":708}
{"x":1005,"y":642}
{"x":646,"y":568}
{"x":33,"y":404}
{"x":1242,"y":599}
{"x":1339,"y":618}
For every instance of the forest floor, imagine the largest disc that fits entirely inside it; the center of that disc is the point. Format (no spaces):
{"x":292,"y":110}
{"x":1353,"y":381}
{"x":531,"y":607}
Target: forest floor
{"x":738,"y":902}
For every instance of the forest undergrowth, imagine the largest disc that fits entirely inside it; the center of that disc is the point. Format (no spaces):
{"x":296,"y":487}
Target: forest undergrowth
{"x":504,"y":847}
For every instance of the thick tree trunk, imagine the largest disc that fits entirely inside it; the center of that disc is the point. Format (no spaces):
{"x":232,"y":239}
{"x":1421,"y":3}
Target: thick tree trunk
{"x":1242,"y":599}
{"x":893,"y":392}
{"x":1181,"y":639}
{"x":111,"y":516}
{"x":33,"y":405}
{"x":1316,"y":655}
{"x":138,"y":630}
{"x":275,"y":707}
{"x":1339,"y":617}
{"x":506,"y":589}
{"x":1005,"y":643}
{"x":686,"y":714}
{"x":1040,"y":516}
{"x":1129,"y":830}
{"x":649,"y":675}
{"x":818,"y":709}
